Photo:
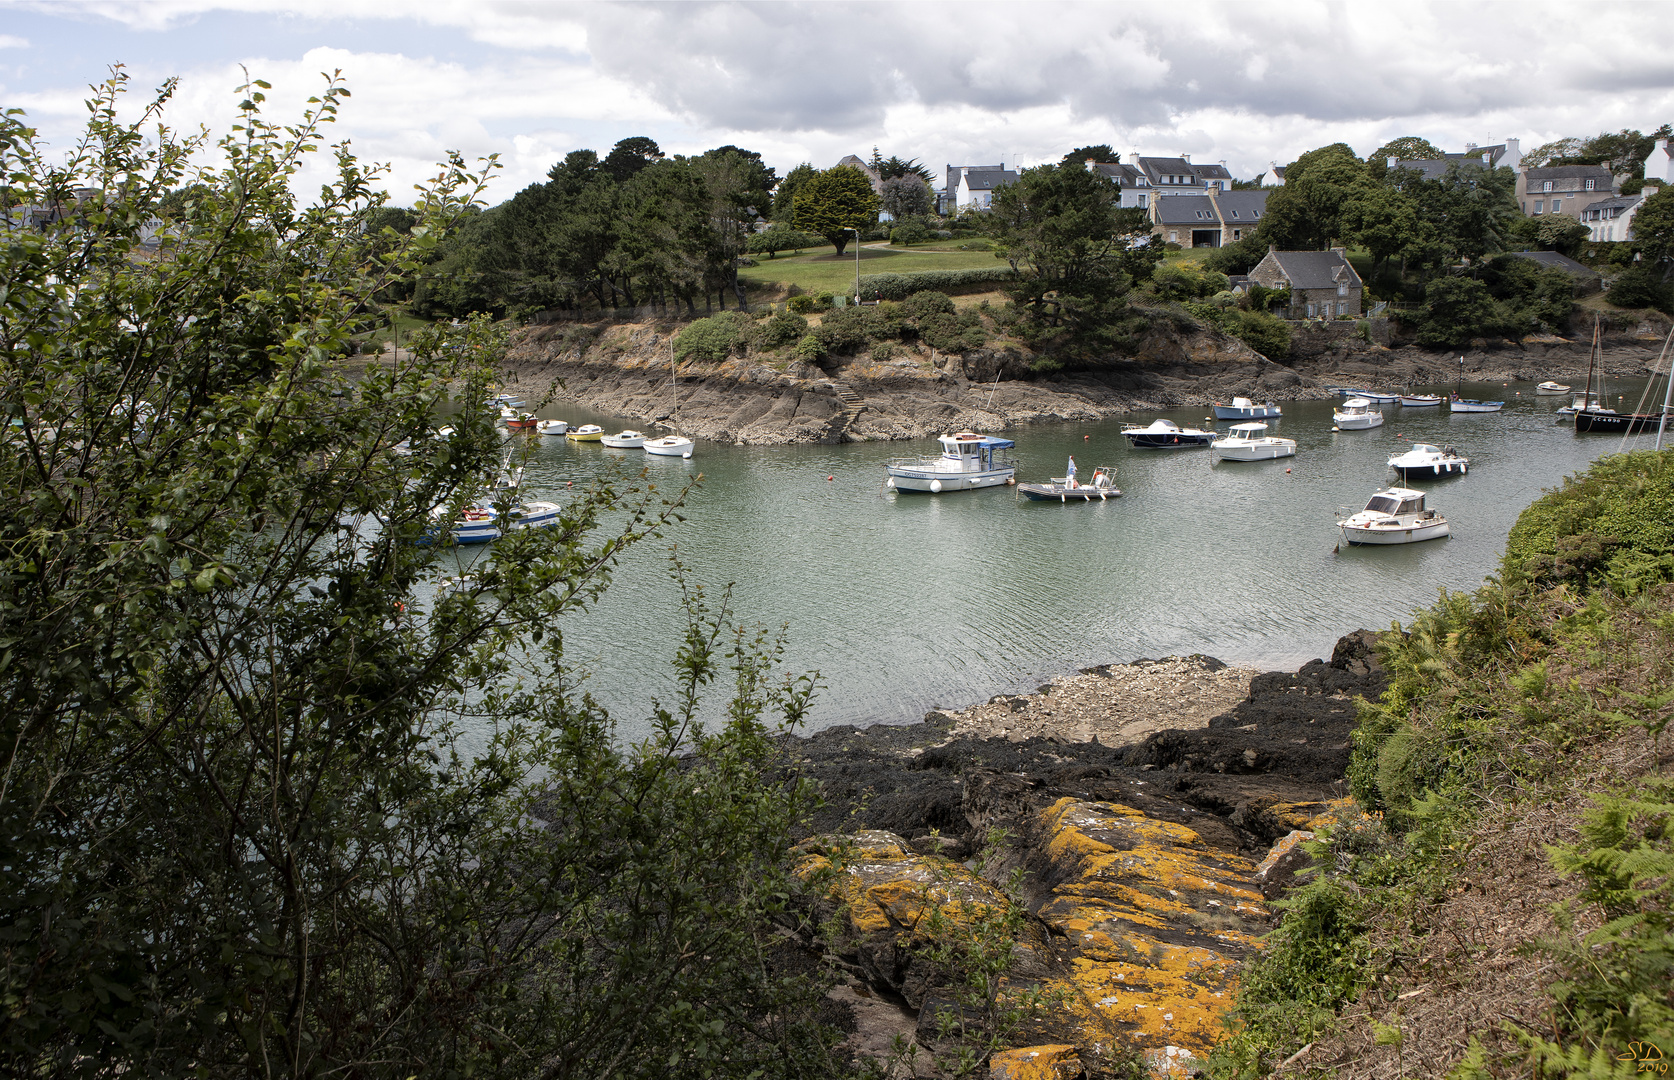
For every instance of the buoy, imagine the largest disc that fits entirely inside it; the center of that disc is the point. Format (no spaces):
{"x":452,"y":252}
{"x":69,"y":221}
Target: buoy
{"x":829,"y":478}
{"x":1084,"y":438}
{"x":1287,"y":470}
{"x":936,"y":486}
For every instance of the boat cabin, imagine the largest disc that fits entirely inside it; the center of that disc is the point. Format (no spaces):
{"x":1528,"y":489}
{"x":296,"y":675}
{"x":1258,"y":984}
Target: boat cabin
{"x":1247,"y":431}
{"x":973,"y":452}
{"x":1396,"y":501}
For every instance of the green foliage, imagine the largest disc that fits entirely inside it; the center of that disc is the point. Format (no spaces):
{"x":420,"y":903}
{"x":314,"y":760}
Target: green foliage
{"x":1183,"y":280}
{"x":1457,"y":309}
{"x":1238,"y":257}
{"x":905,"y":197}
{"x":783,"y":328}
{"x":1262,"y":332}
{"x":809,"y":349}
{"x":953,"y":332}
{"x":275,"y":805}
{"x":1653,"y":229}
{"x":1532,"y":297}
{"x":716,"y":338}
{"x":1639,"y":286}
{"x":925,"y":303}
{"x":1406,"y":148}
{"x":779,"y":238}
{"x":844,"y":330}
{"x":901,"y":286}
{"x":1615,"y":994}
{"x":833,"y":202}
{"x":913,"y":232}
{"x":1308,"y":212}
{"x":1597,"y":523}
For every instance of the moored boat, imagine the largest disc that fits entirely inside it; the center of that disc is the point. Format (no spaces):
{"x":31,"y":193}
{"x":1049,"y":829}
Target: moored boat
{"x":1376,"y":397}
{"x":1430,"y":460}
{"x":481,"y":524}
{"x":1551,"y":389}
{"x":624,"y":440}
{"x":1165,"y":435}
{"x":1242,"y":408}
{"x":1610,"y":422}
{"x":1473,"y":405}
{"x":1246,"y":442}
{"x":552,"y":427}
{"x":1393,"y":516}
{"x":520,"y":422}
{"x":968,"y":460}
{"x":1065,"y":489}
{"x":1357,"y":414}
{"x":1420,"y":401}
{"x":670,"y":446}
{"x":585,"y":433}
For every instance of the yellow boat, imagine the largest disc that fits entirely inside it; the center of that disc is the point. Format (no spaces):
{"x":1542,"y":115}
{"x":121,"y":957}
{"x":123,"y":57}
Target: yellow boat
{"x":585,"y":433}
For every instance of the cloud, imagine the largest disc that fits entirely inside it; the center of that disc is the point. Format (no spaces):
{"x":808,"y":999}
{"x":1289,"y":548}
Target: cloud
{"x":8,"y":41}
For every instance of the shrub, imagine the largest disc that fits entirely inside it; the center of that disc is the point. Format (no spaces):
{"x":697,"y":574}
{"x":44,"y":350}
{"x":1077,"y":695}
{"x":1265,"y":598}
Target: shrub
{"x":1262,"y":332}
{"x":921,"y":305}
{"x":1640,"y":287}
{"x":709,"y":339}
{"x":953,"y":332}
{"x":844,"y":330}
{"x":775,"y":240}
{"x":783,"y":328}
{"x":884,"y":351}
{"x":912,"y":232}
{"x":803,"y":305}
{"x":901,"y":286}
{"x":810,"y":349}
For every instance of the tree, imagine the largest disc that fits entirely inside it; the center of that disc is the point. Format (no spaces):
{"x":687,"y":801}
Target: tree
{"x":1381,"y":219}
{"x":1081,"y":155}
{"x":894,"y":168}
{"x":1307,"y":212}
{"x":832,"y":202}
{"x":1653,"y":231}
{"x":239,"y":832}
{"x":1552,"y":152}
{"x":629,"y":156}
{"x":784,"y":196}
{"x":1060,"y":229}
{"x":905,"y":196}
{"x":1457,"y":309}
{"x":739,"y":186}
{"x":1406,"y":148}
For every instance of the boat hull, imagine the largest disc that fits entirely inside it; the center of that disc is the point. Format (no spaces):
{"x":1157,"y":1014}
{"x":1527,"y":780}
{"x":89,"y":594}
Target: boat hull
{"x":1420,"y":401}
{"x":669,"y":446}
{"x":1062,"y":494}
{"x":1253,"y":453}
{"x":1171,"y":441}
{"x":934,"y":482}
{"x":1437,"y":470}
{"x":1551,"y":390}
{"x":583,"y":436}
{"x":1467,"y":406}
{"x":619,"y":442}
{"x":1372,"y":535}
{"x":1616,"y":423}
{"x":1254,"y":412}
{"x":1358,"y":422}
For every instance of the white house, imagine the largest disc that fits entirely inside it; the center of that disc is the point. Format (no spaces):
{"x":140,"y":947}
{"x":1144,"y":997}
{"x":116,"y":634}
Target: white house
{"x":971,"y":187}
{"x":1612,"y":219}
{"x":1659,"y":164}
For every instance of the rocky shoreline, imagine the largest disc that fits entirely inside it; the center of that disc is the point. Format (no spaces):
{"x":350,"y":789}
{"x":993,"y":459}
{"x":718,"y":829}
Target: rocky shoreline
{"x":1150,"y":811}
{"x":764,"y":399}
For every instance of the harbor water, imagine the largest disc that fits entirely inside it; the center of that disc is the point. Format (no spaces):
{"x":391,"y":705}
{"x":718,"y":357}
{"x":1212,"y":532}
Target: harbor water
{"x":908,"y":602}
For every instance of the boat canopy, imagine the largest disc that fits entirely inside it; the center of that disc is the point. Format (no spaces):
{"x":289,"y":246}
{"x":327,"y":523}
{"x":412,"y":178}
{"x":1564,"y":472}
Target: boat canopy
{"x":1251,"y":429}
{"x":986,"y":442}
{"x":1396,"y":501}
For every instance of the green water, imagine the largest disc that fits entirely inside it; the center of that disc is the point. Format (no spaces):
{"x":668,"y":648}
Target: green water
{"x":906,"y":602}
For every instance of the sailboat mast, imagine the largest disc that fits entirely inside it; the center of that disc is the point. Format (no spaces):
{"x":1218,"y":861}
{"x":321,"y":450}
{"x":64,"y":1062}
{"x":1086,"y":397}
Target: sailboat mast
{"x":1592,"y":358}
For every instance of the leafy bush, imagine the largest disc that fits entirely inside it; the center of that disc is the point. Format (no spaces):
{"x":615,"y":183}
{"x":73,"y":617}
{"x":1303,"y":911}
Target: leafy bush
{"x":913,"y":232}
{"x":844,"y":330}
{"x":901,"y":286}
{"x":1641,"y":287}
{"x":783,"y":328}
{"x":714,"y":339}
{"x":1262,"y":332}
{"x":1184,"y":281}
{"x":1604,"y":521}
{"x":1457,"y":309}
{"x":923,"y":304}
{"x":953,"y":331}
{"x":806,"y":305}
{"x":776,"y":239}
{"x":809,"y":349}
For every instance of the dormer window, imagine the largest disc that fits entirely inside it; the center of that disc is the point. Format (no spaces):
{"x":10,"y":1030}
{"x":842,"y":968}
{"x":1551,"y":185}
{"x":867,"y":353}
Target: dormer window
{"x":1546,"y":185}
{"x":1590,"y":184}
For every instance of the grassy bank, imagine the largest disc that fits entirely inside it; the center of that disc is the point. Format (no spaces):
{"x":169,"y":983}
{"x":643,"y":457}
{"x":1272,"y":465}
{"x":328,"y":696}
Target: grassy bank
{"x":822,"y":270}
{"x":1508,"y":913}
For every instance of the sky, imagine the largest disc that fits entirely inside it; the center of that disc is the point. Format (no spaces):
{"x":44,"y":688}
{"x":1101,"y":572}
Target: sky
{"x":1022,"y":83}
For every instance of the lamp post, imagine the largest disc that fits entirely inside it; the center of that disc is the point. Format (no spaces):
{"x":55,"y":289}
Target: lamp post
{"x":856,"y":265}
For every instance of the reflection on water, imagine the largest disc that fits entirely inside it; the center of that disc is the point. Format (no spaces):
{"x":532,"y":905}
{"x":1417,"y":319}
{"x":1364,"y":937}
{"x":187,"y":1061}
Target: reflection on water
{"x":907,"y":602}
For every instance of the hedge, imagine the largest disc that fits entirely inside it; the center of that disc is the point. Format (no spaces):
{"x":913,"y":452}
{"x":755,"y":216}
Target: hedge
{"x":901,"y":286}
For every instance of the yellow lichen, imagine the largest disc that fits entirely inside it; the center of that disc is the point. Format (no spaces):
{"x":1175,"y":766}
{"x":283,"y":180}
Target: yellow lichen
{"x":1056,"y":1061}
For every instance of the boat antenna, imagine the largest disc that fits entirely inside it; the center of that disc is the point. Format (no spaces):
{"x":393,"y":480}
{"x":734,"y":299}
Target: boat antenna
{"x":995,"y":386}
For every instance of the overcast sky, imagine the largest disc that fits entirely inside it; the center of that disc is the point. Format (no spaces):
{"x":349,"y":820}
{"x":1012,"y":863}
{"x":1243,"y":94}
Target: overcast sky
{"x":1247,"y":83}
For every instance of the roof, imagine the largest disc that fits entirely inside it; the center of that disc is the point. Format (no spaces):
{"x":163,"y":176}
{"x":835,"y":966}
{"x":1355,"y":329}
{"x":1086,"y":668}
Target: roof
{"x":1615,"y":202}
{"x":1236,"y":207}
{"x":1124,"y":174}
{"x":1156,"y":167}
{"x":1570,"y":172}
{"x":1436,"y":168}
{"x":1557,"y":262}
{"x":1211,"y":172}
{"x":1240,"y":206}
{"x":1315,"y":269}
{"x":979,"y":178}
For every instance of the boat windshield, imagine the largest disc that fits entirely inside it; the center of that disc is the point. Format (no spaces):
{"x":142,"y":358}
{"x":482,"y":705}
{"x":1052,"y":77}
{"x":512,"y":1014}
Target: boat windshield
{"x":1425,"y":448}
{"x":1383,"y":504}
{"x":1412,"y":506}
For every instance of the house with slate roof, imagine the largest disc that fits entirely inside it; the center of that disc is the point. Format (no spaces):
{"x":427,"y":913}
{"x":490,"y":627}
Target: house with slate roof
{"x":1564,"y":189}
{"x":971,"y":187}
{"x":1152,"y":178}
{"x":1508,"y":154}
{"x":1612,"y":219}
{"x":1132,"y":187}
{"x":854,"y":162}
{"x":1322,"y":284}
{"x":1659,"y":164}
{"x":1212,"y":219}
{"x":1586,"y":279}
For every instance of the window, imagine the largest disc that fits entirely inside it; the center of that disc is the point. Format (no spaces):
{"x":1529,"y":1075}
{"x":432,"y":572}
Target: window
{"x":1235,"y":213}
{"x":1590,"y":185}
{"x":1546,"y":185}
{"x":1540,"y":205}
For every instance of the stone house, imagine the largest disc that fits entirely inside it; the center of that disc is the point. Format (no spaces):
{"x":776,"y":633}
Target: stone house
{"x":1563,"y":189}
{"x":1213,"y":219}
{"x":1323,"y":284}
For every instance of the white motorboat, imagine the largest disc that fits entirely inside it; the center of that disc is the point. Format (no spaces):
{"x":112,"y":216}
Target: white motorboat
{"x":968,"y":460}
{"x":1376,"y":397}
{"x":481,"y":524}
{"x":1430,"y":460}
{"x":585,"y":433}
{"x":505,"y":401}
{"x":1242,"y":408}
{"x":1459,"y":404}
{"x":552,"y":427}
{"x":670,"y":446}
{"x":1394,"y":516}
{"x":1246,"y":442}
{"x":1551,"y":389}
{"x":624,"y":440}
{"x":1165,"y":435}
{"x":1420,"y":401}
{"x":1357,"y":414}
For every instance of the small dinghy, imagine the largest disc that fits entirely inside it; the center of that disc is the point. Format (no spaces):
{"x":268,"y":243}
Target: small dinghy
{"x":481,"y":524}
{"x":585,"y":433}
{"x":1459,"y":404}
{"x":1420,"y":401}
{"x":552,"y":427}
{"x":1065,"y":489}
{"x":1242,"y":408}
{"x":1394,"y":516}
{"x":670,"y":446}
{"x":1551,"y":389}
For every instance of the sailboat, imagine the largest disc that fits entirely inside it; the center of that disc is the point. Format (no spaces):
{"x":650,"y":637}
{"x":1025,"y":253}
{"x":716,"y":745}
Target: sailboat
{"x":1463,"y":404}
{"x":1591,"y":417}
{"x":675,"y":445}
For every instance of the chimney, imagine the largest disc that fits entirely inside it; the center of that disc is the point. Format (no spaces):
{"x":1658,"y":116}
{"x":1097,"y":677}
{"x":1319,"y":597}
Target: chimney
{"x":1469,"y":147}
{"x":1393,"y":161}
{"x":1092,"y":165}
{"x":1650,"y":189}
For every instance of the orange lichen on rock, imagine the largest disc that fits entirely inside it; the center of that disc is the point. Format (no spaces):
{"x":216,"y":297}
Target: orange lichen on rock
{"x":884,"y":886}
{"x":1056,"y":1061}
{"x":1155,"y":923}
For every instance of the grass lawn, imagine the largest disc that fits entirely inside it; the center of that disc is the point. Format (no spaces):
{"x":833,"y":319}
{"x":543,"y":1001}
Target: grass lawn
{"x":822,"y":270}
{"x":377,"y":339}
